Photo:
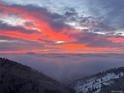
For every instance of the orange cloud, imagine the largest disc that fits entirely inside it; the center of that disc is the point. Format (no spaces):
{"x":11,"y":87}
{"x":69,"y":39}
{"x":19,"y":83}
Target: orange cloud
{"x":49,"y":33}
{"x":19,"y":35}
{"x":43,"y":26}
{"x":83,"y":48}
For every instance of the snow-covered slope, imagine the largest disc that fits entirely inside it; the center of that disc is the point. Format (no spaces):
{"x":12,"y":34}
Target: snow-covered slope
{"x":101,"y":82}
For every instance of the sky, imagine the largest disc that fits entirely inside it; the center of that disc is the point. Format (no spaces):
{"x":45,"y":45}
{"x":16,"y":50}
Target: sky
{"x":61,"y":26}
{"x":65,"y":39}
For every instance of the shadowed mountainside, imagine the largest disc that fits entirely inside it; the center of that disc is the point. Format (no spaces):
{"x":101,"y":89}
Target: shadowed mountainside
{"x":17,"y":78}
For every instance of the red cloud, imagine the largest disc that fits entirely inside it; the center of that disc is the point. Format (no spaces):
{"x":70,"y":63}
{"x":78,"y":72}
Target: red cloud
{"x":116,"y":39}
{"x":44,"y":27}
{"x":49,"y":33}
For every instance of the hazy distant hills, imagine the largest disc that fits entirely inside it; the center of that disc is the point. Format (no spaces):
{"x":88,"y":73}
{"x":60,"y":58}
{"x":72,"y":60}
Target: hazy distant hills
{"x":17,"y":78}
{"x":111,"y":81}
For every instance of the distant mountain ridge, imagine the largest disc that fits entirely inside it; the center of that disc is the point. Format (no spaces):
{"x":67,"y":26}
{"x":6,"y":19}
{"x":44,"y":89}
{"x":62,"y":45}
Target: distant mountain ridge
{"x":110,"y":81}
{"x":17,"y":78}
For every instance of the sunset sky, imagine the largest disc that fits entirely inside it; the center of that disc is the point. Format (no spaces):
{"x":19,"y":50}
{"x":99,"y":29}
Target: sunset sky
{"x":61,"y":26}
{"x":86,"y":36}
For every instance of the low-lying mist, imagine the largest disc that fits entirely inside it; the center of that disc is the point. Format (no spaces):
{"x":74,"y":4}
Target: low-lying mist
{"x":67,"y":67}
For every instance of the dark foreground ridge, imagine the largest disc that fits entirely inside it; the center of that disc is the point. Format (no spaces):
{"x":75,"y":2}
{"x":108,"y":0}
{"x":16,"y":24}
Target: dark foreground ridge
{"x":17,"y":78}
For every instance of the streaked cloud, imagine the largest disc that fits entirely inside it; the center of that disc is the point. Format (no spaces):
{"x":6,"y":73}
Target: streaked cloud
{"x":65,"y":28}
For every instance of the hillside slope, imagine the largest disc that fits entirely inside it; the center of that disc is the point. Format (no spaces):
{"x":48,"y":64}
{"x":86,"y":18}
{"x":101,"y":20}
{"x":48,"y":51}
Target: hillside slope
{"x":111,"y":81}
{"x":17,"y":78}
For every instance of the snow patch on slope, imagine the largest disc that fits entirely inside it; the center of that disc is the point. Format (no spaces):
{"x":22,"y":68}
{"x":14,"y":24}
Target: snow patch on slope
{"x":96,"y":83}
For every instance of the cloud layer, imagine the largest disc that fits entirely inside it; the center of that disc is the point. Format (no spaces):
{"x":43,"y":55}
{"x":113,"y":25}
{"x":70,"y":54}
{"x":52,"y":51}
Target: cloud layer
{"x":66,"y":29}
